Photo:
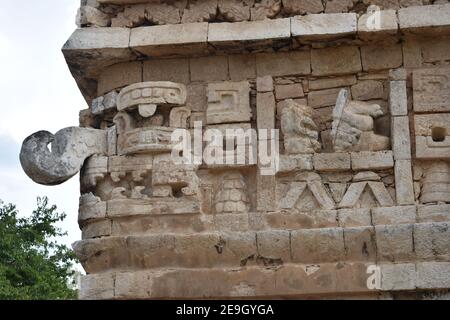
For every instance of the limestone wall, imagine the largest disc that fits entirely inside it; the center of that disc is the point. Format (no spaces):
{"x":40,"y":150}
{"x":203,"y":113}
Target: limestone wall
{"x":364,"y":174}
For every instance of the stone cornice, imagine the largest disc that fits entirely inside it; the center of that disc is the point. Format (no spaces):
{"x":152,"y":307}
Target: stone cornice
{"x":89,"y":50}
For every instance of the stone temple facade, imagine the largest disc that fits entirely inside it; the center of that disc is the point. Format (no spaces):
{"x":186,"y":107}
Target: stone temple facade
{"x":360,"y":203}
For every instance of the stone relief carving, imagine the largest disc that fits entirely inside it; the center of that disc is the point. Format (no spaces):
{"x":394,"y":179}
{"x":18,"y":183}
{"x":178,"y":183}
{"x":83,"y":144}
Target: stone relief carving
{"x":232,"y":196}
{"x":228,"y":102}
{"x":147,"y":96}
{"x":69,"y":148}
{"x":300,"y":132}
{"x":431,"y":90}
{"x":353,"y":125}
{"x":436,"y":183}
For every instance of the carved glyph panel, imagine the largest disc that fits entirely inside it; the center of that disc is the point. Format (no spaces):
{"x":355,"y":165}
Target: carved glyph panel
{"x":431,"y":90}
{"x":228,"y":102}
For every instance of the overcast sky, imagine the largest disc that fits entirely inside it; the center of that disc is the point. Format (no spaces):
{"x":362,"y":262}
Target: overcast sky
{"x":37,"y":92}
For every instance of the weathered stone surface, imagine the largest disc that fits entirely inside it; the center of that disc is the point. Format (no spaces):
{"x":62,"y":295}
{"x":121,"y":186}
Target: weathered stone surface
{"x":372,"y":160}
{"x":332,"y":162}
{"x":360,"y":244}
{"x":376,"y":57}
{"x":175,"y":70}
{"x":432,"y":240}
{"x":221,"y":110}
{"x":326,"y":83}
{"x":395,"y":242}
{"x":265,"y":9}
{"x":242,"y":67}
{"x":302,"y":7}
{"x":264,"y":84}
{"x":433,"y":275}
{"x":300,"y":132}
{"x":283,"y":63}
{"x":90,"y":16}
{"x":354,"y":217}
{"x":317,"y":245}
{"x":404,"y":188}
{"x":431,"y":98}
{"x":169,"y":39}
{"x":223,"y":33}
{"x":274,"y":245}
{"x":294,"y":162}
{"x":70,"y":147}
{"x":320,"y":26}
{"x":97,"y":286}
{"x":394,"y":215}
{"x":333,"y":61}
{"x":323,"y":98}
{"x":371,"y":26}
{"x":118,"y":76}
{"x":199,"y":11}
{"x":367,"y":90}
{"x":425,"y":17}
{"x":398,"y":276}
{"x":398,"y":102}
{"x":289,"y":91}
{"x":433,"y":213}
{"x":401,"y":140}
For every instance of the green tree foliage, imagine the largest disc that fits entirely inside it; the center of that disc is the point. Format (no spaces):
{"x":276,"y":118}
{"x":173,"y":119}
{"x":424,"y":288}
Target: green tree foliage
{"x":32,"y":264}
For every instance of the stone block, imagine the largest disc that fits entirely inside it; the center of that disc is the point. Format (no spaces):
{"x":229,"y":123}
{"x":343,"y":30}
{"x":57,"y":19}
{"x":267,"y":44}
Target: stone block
{"x":433,"y":213}
{"x":274,"y":245}
{"x":432,"y":240}
{"x":401,"y":138}
{"x":242,"y":67}
{"x":436,"y":49}
{"x":263,"y":30}
{"x":317,"y":245}
{"x":323,"y":26}
{"x":170,"y":39}
{"x":368,"y":160}
{"x":97,"y":229}
{"x":96,"y":287}
{"x":371,"y":26}
{"x":358,"y":217}
{"x":264,"y":84}
{"x":404,"y":188}
{"x":175,"y":70}
{"x":196,"y":99}
{"x":376,"y":57}
{"x":335,"y":60}
{"x":266,"y":194}
{"x":291,"y":163}
{"x":327,"y":162}
{"x":221,"y":109}
{"x":118,"y":76}
{"x":300,"y":220}
{"x":283,"y":63}
{"x":396,"y":277}
{"x":367,"y":90}
{"x":431,"y":90}
{"x":420,"y":18}
{"x":394,"y":215}
{"x":395,"y":242}
{"x":212,"y":68}
{"x":287,"y":91}
{"x":302,"y":7}
{"x":360,"y":244}
{"x":323,"y":98}
{"x":336,"y":82}
{"x":398,"y":101}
